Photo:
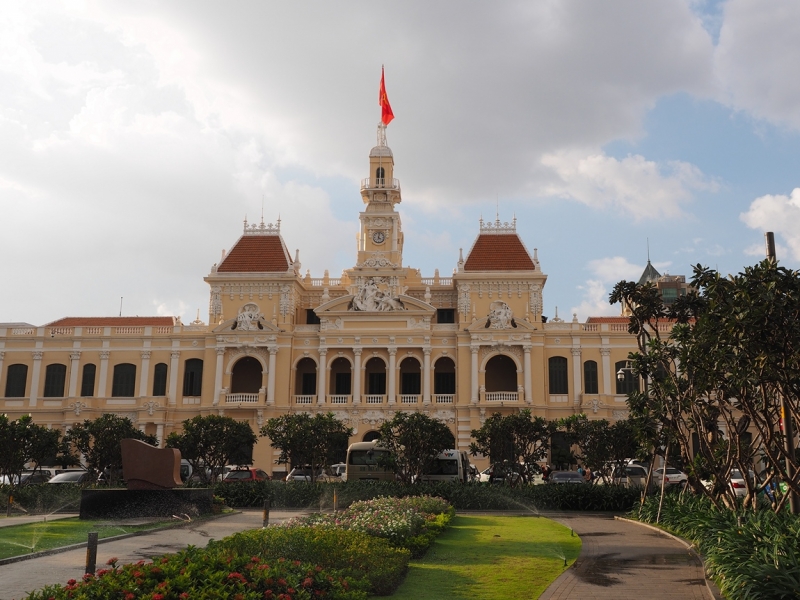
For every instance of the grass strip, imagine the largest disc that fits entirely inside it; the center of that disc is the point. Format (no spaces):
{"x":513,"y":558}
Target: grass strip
{"x":493,"y":557}
{"x":17,"y":540}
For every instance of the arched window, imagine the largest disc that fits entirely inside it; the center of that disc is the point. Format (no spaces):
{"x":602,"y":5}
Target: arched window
{"x":371,"y":436}
{"x":501,"y":374}
{"x":160,"y":380}
{"x":375,"y":370}
{"x":193,"y":377}
{"x":629,"y":382}
{"x":124,"y":384}
{"x":87,"y":381}
{"x":306,"y":382}
{"x":246,"y":376}
{"x":380,"y":177}
{"x":410,"y":377}
{"x":444,"y":376}
{"x":16,"y":378}
{"x":54,"y":377}
{"x":557,"y":367}
{"x":340,"y":381}
{"x":590,"y":377}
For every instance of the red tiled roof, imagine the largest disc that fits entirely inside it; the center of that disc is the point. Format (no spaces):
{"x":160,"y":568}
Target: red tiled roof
{"x":608,"y":320}
{"x":113,"y":322}
{"x":504,"y":252}
{"x":256,"y":254}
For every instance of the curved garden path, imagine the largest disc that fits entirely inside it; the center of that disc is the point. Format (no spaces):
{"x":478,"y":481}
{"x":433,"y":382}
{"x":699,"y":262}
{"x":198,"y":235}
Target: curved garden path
{"x":622,"y":560}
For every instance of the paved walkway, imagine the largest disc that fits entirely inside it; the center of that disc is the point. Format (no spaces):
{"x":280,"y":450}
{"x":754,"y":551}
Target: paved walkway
{"x":620,"y":560}
{"x":19,"y":578}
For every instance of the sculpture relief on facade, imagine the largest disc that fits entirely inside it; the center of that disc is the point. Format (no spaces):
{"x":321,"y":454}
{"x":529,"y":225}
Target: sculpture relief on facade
{"x":370,"y":297}
{"x":500,"y":316}
{"x":216,"y":304}
{"x":463,"y":299}
{"x":249,"y":318}
{"x":377,"y":259}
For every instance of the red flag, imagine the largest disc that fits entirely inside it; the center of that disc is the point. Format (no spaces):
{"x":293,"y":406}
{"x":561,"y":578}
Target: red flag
{"x":386,"y":110}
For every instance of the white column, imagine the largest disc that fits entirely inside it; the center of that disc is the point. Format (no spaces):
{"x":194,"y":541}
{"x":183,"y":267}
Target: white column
{"x":175,"y":356}
{"x":474,"y":374}
{"x":102,"y":384}
{"x":392,"y":374}
{"x":37,"y":369}
{"x":576,"y":376}
{"x":2,"y":356}
{"x":218,"y":376}
{"x":143,"y":376}
{"x":426,"y":375}
{"x":526,"y":369}
{"x":273,"y":350}
{"x":160,"y":434}
{"x":606,"y":353}
{"x":74,"y":363}
{"x":322,"y":376}
{"x":357,"y":376}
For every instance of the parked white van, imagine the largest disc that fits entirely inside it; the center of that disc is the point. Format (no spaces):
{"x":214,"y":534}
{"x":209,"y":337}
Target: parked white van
{"x":450,"y":465}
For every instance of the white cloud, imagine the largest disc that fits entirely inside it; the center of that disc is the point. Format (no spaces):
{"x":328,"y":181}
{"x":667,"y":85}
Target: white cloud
{"x":633,"y":185}
{"x":777,"y":213}
{"x":756,"y":59}
{"x":605,"y":273}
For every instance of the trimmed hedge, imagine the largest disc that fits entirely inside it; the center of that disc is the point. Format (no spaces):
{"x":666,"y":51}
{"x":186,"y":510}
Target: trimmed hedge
{"x":461,"y":496}
{"x":43,"y":498}
{"x":759,"y":559}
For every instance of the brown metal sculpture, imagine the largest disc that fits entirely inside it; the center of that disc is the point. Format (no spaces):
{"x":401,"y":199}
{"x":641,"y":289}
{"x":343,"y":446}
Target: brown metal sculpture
{"x":147,"y":468}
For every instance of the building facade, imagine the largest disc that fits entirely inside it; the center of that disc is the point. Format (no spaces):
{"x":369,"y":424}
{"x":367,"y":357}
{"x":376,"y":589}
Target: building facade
{"x":379,"y":339}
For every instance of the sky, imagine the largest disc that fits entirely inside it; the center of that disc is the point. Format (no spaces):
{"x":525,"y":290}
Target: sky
{"x":137,"y":137}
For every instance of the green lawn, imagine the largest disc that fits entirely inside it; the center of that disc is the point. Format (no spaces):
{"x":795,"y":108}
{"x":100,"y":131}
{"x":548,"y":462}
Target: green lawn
{"x":44,"y":535}
{"x":491,"y":557}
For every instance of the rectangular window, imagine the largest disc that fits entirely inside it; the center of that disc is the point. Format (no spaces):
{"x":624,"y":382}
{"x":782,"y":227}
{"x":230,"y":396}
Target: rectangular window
{"x":376,"y":383}
{"x":343,"y":383}
{"x":54,"y":378}
{"x":87,"y":381}
{"x":590,"y":377}
{"x":444,"y":383}
{"x":311,"y":317}
{"x":160,"y":380}
{"x":16,"y":378}
{"x":309,"y":387}
{"x":558,"y":375}
{"x":445,"y":315}
{"x":410,"y":383}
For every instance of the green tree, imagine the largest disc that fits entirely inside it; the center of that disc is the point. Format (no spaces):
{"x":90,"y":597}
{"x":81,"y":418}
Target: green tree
{"x":98,"y":441}
{"x":731,"y":357}
{"x":305,"y":440}
{"x":513,"y":440}
{"x":600,"y":443}
{"x":414,"y":440}
{"x":212,"y":441}
{"x":22,"y":442}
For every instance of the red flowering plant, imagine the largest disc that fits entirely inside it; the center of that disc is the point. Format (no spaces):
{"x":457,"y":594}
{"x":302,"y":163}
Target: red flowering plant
{"x":210,"y":575}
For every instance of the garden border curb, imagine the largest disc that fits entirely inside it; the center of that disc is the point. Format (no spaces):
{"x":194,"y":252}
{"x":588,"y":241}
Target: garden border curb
{"x":710,"y":585}
{"x":59,"y":550}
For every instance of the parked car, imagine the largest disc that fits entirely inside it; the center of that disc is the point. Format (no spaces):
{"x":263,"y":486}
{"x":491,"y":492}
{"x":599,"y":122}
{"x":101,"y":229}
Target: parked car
{"x":498,"y":474}
{"x":304,"y":474}
{"x":26,"y":478}
{"x":248,"y":474}
{"x":338,"y":470}
{"x":565,"y":477}
{"x":630,"y":476}
{"x":74,"y":477}
{"x":738,"y":484}
{"x":674,"y":477}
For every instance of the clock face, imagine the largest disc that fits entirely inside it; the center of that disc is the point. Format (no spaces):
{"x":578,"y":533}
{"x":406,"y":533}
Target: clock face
{"x":378,"y":237}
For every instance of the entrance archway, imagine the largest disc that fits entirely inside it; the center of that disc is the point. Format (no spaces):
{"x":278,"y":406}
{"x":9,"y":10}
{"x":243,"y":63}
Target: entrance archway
{"x":246,"y":376}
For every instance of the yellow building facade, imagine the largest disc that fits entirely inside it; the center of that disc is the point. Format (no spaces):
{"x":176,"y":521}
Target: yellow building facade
{"x":379,"y":339}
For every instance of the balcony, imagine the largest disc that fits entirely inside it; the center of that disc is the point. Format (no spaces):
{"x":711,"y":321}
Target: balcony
{"x":445,"y":398}
{"x":305,"y":398}
{"x":501,"y":396}
{"x":241,"y":398}
{"x":410,"y":398}
{"x":339,"y":399}
{"x":380,"y":183}
{"x":374,"y":399}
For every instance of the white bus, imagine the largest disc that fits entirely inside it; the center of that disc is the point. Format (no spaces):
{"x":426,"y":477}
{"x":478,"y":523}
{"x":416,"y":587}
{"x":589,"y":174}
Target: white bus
{"x":362,"y":463}
{"x":450,"y":465}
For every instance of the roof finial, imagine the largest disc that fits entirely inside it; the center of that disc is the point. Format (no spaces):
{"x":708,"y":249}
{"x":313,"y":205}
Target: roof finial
{"x":648,"y":249}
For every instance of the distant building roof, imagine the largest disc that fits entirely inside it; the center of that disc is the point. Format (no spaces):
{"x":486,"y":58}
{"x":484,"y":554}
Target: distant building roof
{"x":498,"y":248}
{"x":608,"y":320}
{"x":649,"y":275}
{"x":259,"y":250}
{"x":113,"y":322}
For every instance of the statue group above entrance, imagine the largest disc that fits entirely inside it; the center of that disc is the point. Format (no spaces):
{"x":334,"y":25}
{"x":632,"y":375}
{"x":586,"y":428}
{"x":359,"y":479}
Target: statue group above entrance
{"x":370,"y":298}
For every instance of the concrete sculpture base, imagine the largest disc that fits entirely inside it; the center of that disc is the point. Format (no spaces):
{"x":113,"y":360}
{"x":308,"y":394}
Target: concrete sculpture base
{"x":129,"y":504}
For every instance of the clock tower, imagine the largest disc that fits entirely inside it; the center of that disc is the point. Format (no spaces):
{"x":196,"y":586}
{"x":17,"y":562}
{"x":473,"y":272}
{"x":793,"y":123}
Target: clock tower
{"x":380,"y":241}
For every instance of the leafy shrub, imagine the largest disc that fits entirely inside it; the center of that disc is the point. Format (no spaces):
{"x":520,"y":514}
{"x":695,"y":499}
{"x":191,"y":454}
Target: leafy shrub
{"x":353,"y":553}
{"x":754,"y":560}
{"x":461,"y":496}
{"x":213,"y":573}
{"x":43,"y":498}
